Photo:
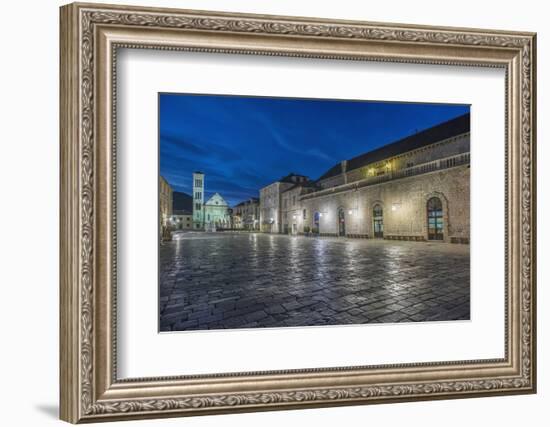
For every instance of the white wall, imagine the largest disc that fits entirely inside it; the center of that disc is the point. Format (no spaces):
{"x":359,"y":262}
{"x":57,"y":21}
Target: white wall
{"x":29,"y":170}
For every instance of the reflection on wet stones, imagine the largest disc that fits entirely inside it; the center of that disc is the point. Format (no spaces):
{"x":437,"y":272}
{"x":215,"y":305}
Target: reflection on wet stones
{"x":232,"y":280}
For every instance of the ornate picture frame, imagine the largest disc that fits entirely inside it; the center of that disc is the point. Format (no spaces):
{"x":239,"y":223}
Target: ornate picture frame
{"x":90,"y":37}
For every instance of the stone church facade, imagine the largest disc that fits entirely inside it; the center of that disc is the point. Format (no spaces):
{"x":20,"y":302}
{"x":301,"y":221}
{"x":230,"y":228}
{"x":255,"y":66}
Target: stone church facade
{"x":212,"y":215}
{"x":216,"y":213}
{"x":417,"y":188}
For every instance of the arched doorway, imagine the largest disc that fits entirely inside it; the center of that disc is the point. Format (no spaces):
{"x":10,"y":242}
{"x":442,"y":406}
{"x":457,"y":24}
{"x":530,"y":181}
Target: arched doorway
{"x":316,"y":217}
{"x":435,"y":218}
{"x":378,"y":221}
{"x":341,"y":222}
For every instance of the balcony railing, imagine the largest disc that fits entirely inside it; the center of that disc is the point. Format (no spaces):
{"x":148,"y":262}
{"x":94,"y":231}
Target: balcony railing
{"x":435,"y":165}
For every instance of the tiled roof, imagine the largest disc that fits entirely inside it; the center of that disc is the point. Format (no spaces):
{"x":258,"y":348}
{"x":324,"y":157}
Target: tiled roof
{"x":440,"y":132}
{"x":307,"y":184}
{"x":290,"y":176}
{"x":249,"y":201}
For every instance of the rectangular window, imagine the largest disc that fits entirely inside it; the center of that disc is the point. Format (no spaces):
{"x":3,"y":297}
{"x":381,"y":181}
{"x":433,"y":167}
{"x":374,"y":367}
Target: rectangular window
{"x":198,"y":183}
{"x":197,"y":206}
{"x":198,"y":195}
{"x":304,"y":214}
{"x":293,"y":200}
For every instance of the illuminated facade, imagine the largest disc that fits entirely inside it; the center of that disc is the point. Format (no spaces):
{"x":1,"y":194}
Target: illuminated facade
{"x":271,"y":203}
{"x":198,"y":200}
{"x":182,"y":220}
{"x":246,"y":215}
{"x":417,"y":188}
{"x":165,"y":202}
{"x":295,"y":218}
{"x":216,"y":213}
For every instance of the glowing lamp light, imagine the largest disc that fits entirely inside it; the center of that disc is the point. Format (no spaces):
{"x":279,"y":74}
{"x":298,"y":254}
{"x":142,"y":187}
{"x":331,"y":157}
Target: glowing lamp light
{"x":320,"y":215}
{"x":350,"y":212}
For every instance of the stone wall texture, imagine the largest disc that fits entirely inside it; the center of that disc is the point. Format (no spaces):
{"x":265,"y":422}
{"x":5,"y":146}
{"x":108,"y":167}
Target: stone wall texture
{"x":404,"y":203}
{"x":401,"y":185}
{"x":165,"y":201}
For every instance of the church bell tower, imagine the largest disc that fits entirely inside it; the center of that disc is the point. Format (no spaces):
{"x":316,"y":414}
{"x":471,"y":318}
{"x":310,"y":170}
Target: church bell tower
{"x":198,"y":200}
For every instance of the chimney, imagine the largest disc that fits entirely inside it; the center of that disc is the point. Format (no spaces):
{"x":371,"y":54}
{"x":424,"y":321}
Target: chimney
{"x":344,"y":166}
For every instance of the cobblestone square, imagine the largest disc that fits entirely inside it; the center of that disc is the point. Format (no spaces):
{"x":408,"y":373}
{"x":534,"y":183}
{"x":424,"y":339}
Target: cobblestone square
{"x":248,"y":280}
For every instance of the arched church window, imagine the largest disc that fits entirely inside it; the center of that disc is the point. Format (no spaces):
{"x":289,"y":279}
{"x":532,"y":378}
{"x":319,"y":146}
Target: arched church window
{"x":435,"y":219}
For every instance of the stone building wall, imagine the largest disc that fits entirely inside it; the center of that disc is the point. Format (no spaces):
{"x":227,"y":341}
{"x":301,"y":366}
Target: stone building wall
{"x":333,"y":181}
{"x":447,"y":148}
{"x":291,"y":218}
{"x":440,"y":150}
{"x":165,"y":201}
{"x":270,"y":207}
{"x":182,"y":221}
{"x":246,"y":215}
{"x":404,"y":203}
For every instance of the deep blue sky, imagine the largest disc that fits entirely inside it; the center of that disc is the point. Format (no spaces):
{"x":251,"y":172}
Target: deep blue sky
{"x":244,"y":143}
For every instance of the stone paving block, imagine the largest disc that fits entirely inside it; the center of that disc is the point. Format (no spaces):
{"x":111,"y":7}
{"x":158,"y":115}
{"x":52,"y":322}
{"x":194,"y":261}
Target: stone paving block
{"x":188,"y":324}
{"x":244,"y":286}
{"x":256,"y":316}
{"x":275,"y":309}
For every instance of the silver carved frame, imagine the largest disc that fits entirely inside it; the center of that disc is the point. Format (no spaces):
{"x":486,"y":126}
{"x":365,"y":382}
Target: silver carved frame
{"x":90,"y":36}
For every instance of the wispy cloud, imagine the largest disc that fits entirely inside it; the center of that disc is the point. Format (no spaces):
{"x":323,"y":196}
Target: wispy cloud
{"x":245,"y":143}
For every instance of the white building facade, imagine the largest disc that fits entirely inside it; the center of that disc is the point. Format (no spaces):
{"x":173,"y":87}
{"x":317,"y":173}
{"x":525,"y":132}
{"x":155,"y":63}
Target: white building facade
{"x":217,"y":214}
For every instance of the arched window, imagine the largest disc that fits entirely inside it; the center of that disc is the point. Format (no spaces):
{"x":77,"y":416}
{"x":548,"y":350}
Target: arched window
{"x":341,"y":222}
{"x":316,"y":217}
{"x":435,"y":219}
{"x":378,"y":221}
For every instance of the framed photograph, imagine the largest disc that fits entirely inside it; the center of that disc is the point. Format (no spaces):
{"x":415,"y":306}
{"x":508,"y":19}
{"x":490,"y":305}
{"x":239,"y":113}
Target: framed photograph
{"x":265,"y":212}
